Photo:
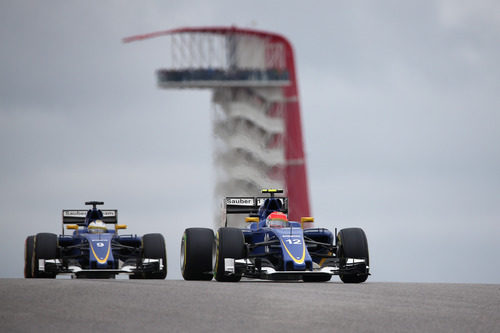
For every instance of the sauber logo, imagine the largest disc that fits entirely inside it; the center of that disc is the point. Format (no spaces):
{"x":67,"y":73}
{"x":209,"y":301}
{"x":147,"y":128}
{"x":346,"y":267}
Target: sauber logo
{"x":239,"y":201}
{"x":74,"y":213}
{"x":99,"y":244}
{"x":83,"y":213}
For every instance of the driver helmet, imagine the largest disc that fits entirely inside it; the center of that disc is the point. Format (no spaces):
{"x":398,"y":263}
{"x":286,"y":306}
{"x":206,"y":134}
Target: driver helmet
{"x":277,"y":220}
{"x":97,"y":227}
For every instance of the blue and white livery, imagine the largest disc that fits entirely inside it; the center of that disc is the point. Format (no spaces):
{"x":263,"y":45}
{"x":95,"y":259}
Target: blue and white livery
{"x":273,"y":248}
{"x":94,"y":249}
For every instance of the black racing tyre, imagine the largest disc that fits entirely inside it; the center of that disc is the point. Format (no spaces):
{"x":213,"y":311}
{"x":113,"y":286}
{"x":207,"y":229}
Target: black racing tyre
{"x":28,"y":257}
{"x":306,"y":278}
{"x":154,"y":248}
{"x":352,"y":243}
{"x":197,"y":252}
{"x":45,"y":247}
{"x":229,"y":243}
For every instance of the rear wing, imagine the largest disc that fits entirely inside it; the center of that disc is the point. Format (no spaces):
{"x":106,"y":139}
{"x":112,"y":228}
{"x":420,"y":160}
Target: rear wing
{"x":76,"y":216}
{"x":250,"y":205}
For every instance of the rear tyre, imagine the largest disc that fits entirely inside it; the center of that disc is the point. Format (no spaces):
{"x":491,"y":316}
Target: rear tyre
{"x":28,"y":257}
{"x":154,"y":248}
{"x":45,"y":247}
{"x":352,"y":243}
{"x":197,"y":252}
{"x":230,"y":243}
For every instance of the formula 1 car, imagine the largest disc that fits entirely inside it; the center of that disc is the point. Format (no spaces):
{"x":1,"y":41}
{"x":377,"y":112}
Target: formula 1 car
{"x":272,"y":247}
{"x":93,"y":250}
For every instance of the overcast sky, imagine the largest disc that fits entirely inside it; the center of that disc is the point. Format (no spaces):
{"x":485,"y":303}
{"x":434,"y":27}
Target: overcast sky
{"x":400,"y":106}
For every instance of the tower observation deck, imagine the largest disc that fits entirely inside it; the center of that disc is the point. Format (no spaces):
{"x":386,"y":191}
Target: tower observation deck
{"x":255,"y":99}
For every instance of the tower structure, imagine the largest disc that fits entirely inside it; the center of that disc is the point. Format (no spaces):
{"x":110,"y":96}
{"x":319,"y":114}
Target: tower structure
{"x":256,"y":118}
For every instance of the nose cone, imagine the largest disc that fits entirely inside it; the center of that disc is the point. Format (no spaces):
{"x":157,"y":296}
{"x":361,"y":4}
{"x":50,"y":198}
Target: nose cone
{"x":295,"y":255}
{"x":100,"y":249}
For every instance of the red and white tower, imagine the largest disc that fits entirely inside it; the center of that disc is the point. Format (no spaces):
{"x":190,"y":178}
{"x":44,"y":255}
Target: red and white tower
{"x":256,"y":107}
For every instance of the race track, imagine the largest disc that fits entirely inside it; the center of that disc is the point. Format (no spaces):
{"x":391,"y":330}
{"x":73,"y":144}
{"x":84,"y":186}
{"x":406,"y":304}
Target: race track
{"x":182,"y":306}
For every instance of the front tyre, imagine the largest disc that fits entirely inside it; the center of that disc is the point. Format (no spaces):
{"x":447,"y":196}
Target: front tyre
{"x":197,"y":251}
{"x":230,"y":243}
{"x":154,"y":248}
{"x":352,"y":244}
{"x":45,"y":247}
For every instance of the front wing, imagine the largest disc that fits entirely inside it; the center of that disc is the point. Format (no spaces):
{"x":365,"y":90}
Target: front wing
{"x":251,"y":269}
{"x":130,"y":268}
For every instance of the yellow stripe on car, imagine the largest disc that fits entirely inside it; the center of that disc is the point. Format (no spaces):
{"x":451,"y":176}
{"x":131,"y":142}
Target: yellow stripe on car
{"x":297,"y":261}
{"x":101,"y":261}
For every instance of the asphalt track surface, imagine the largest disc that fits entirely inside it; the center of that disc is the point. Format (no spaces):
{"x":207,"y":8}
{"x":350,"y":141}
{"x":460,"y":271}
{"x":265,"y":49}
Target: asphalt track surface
{"x":28,"y":305}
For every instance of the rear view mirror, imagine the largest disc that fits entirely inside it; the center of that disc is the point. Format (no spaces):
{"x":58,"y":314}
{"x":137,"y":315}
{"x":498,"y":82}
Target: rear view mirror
{"x":306,"y":219}
{"x":251,"y":219}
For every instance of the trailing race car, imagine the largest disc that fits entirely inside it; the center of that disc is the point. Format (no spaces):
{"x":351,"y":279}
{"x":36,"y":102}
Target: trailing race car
{"x":93,"y":250}
{"x":272,"y":247}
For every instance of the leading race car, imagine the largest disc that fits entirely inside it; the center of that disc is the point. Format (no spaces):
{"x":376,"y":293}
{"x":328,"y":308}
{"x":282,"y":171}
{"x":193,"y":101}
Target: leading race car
{"x":272,"y":247}
{"x":93,"y":250}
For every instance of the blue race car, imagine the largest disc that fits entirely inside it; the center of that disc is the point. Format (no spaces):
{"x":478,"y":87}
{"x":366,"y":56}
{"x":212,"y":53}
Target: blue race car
{"x":93,"y":250}
{"x":272,"y":247}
